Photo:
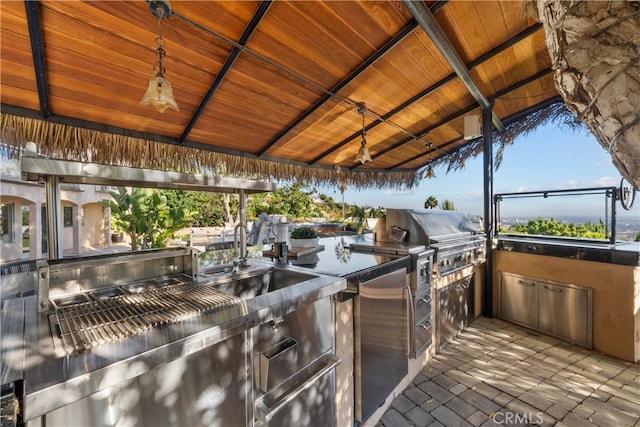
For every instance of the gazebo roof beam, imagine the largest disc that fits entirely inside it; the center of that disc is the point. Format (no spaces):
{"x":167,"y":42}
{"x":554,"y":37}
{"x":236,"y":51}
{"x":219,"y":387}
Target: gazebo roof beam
{"x":428,"y":22}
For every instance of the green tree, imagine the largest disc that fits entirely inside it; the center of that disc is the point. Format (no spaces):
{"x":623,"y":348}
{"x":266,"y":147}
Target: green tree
{"x":145,"y":216}
{"x":359,"y":220}
{"x":291,"y":200}
{"x":638,"y":237}
{"x":208,"y":208}
{"x":163,"y":220}
{"x":553,"y":227}
{"x":431,"y":203}
{"x":376,"y":212}
{"x":447,"y":205}
{"x":329,"y":208}
{"x":128,"y":212}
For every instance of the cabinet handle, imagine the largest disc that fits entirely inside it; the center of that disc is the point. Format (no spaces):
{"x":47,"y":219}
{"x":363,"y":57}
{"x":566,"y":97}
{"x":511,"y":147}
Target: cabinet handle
{"x":423,"y":326}
{"x":558,"y":290}
{"x":523,"y":283}
{"x":424,"y":300}
{"x":411,"y":315}
{"x":320,"y":368}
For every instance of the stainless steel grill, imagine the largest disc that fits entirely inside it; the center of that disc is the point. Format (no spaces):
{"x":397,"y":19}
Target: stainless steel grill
{"x":454,"y":244}
{"x":455,"y":239}
{"x":87,"y":320}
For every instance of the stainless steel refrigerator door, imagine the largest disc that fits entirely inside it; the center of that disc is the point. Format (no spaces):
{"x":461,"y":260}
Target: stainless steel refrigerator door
{"x":381,"y":330}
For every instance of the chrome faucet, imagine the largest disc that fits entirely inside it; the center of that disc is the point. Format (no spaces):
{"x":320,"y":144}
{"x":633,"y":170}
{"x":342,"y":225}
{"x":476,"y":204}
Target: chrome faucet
{"x":241,"y":258}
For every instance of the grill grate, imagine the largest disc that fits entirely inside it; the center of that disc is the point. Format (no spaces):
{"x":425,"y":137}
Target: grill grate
{"x":89,"y":324}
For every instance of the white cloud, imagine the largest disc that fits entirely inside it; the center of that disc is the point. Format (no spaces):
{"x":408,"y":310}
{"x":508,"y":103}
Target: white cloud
{"x":607,"y":181}
{"x":9,"y":168}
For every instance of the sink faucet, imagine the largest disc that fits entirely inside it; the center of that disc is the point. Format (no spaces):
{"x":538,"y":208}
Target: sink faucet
{"x":241,"y":243}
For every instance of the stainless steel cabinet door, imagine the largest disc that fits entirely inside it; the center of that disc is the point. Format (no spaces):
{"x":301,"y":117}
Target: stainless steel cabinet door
{"x":204,"y":389}
{"x":382,"y":345}
{"x":519,"y":300}
{"x":565,"y":312}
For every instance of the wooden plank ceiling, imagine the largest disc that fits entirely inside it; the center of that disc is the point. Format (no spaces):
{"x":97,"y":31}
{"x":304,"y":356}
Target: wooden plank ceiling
{"x":277,"y":81}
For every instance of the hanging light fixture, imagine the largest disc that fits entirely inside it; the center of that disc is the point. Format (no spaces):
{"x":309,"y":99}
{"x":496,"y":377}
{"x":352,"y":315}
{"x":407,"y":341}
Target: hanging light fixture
{"x":429,"y":173}
{"x":159,"y":93}
{"x":363,"y":153}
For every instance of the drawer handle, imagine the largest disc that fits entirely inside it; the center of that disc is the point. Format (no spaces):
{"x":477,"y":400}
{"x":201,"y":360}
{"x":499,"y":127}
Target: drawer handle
{"x":412,"y":315}
{"x":266,"y":411}
{"x":552,"y":289}
{"x":424,"y":300}
{"x":424,"y":326}
{"x":520,"y":282}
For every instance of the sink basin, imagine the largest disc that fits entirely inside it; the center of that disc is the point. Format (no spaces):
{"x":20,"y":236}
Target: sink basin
{"x":247,"y":287}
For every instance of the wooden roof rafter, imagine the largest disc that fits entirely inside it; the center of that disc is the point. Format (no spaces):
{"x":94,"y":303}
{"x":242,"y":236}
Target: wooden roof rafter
{"x":262,"y":10}
{"x":331,"y":93}
{"x":509,"y":121}
{"x":457,"y":115}
{"x":471,"y":65}
{"x":39,"y":58}
{"x":261,"y":83}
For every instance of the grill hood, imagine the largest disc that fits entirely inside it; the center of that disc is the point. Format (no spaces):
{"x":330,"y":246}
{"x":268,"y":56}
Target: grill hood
{"x":423,"y":226}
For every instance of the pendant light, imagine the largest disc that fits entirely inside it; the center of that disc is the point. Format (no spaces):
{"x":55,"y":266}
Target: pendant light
{"x":160,"y":93}
{"x":429,"y":173}
{"x":363,"y":153}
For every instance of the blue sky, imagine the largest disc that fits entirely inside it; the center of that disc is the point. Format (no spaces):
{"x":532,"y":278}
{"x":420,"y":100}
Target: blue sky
{"x":549,"y":158}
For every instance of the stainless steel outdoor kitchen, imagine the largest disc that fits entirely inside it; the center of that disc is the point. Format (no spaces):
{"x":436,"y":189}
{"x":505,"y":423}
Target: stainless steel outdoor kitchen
{"x":321,"y":336}
{"x":148,"y":338}
{"x":144,"y":338}
{"x":367,"y":329}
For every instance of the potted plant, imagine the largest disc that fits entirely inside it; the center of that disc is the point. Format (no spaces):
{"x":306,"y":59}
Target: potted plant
{"x":117,"y":235}
{"x":304,"y":237}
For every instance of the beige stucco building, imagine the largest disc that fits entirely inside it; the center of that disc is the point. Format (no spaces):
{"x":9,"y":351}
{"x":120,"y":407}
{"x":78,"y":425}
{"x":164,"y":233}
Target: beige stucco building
{"x":85,"y":221}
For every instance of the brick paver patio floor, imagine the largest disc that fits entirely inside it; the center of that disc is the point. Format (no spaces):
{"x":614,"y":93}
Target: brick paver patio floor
{"x":498,"y":374}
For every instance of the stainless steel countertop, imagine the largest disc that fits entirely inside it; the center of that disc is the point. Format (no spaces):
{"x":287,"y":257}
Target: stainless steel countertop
{"x":623,"y":253}
{"x":52,"y":382}
{"x":338,"y":259}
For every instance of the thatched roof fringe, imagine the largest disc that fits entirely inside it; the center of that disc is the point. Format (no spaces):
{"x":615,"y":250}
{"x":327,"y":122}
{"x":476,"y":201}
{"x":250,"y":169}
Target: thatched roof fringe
{"x":71,"y":143}
{"x":557,"y":113}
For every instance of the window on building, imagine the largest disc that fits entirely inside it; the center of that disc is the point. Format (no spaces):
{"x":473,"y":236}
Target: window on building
{"x":68,"y":216}
{"x":25,"y":228}
{"x":45,"y":230}
{"x":6,"y":222}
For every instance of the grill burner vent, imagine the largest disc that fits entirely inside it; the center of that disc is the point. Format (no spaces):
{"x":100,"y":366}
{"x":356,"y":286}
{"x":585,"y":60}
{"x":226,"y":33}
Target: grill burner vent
{"x":90,"y":323}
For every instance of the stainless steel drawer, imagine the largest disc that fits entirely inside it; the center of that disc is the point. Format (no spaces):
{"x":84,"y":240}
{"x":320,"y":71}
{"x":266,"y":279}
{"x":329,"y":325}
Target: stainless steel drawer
{"x":422,"y":304}
{"x":422,"y":336}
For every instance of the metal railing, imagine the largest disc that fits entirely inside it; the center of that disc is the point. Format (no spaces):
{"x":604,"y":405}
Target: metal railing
{"x":610,"y":195}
